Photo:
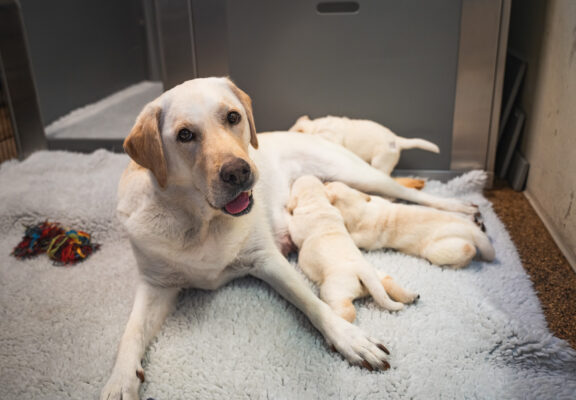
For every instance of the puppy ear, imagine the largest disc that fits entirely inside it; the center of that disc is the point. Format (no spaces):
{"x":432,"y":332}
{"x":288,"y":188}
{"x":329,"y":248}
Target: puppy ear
{"x":330,"y":192}
{"x":247,"y":104}
{"x":144,"y":143}
{"x":292,"y":203}
{"x":297,"y":127}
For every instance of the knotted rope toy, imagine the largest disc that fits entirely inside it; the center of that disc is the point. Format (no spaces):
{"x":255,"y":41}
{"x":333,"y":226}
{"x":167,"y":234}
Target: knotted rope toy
{"x":63,"y":246}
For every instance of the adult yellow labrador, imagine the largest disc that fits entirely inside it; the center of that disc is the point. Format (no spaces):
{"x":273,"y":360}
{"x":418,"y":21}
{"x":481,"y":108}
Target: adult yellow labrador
{"x":203,"y":206}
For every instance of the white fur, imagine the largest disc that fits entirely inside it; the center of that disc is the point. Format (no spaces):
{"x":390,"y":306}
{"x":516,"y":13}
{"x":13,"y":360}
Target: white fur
{"x":181,"y":238}
{"x":442,"y":238}
{"x":370,"y":141}
{"x":329,"y":257}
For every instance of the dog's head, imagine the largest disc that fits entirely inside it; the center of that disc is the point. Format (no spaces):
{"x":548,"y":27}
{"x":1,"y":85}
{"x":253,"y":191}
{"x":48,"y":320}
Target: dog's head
{"x":196,"y":136}
{"x":302,"y":125}
{"x":343,"y":196}
{"x":331,"y":128}
{"x":306,"y":188}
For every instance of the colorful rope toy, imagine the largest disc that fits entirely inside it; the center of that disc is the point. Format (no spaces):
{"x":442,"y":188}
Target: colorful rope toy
{"x":63,"y":246}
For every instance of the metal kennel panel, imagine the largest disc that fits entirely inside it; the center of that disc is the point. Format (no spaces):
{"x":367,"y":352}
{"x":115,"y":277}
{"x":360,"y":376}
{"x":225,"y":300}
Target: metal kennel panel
{"x":428,"y":69}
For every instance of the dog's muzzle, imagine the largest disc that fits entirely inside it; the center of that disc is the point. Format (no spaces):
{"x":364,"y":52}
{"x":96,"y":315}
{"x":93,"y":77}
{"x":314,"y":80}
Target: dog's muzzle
{"x":237,"y":176}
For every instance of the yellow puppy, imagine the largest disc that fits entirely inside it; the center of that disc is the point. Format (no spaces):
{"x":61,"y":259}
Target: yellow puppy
{"x":329,"y":257}
{"x":440,"y":237}
{"x":372,"y":142}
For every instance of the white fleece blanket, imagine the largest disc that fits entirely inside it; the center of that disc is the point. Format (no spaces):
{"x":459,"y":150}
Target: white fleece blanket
{"x":477,"y":333}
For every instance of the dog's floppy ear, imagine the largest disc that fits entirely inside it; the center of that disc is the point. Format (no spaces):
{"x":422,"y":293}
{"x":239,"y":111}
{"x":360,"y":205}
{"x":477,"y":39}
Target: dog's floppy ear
{"x":144,"y":143}
{"x":247,"y":104}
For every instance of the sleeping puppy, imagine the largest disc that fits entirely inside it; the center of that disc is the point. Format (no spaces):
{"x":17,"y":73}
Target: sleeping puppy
{"x":329,"y":257}
{"x":203,"y":202}
{"x":442,"y":238}
{"x":372,"y":142}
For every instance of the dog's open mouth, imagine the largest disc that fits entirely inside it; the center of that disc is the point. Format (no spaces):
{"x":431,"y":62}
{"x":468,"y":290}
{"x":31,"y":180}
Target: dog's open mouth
{"x":241,"y":205}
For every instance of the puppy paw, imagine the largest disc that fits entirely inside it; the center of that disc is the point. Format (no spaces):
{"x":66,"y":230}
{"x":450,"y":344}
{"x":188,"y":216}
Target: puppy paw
{"x":355,"y":346}
{"x":123,"y":387}
{"x":479,"y":221}
{"x":392,"y":305}
{"x":409,"y":297}
{"x":396,"y":291}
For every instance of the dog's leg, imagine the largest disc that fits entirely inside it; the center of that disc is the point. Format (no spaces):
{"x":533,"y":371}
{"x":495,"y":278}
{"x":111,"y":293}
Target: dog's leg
{"x":396,"y":291}
{"x":393,"y":289}
{"x":370,"y":180}
{"x":343,"y":307}
{"x":151,"y":306}
{"x":339,"y":293}
{"x":335,"y":163}
{"x":413,"y":183}
{"x":347,"y":339}
{"x":386,"y":159}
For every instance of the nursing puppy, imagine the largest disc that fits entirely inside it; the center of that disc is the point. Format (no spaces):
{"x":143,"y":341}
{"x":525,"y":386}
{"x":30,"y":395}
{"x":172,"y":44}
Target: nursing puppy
{"x":442,"y":238}
{"x":329,"y":257}
{"x":203,"y":202}
{"x":372,"y":142}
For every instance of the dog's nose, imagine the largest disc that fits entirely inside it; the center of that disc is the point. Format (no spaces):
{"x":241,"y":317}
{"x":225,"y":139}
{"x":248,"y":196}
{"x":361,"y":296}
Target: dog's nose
{"x":235,"y":172}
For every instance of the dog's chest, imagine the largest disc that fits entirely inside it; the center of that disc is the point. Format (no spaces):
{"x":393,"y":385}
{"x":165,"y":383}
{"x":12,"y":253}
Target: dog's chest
{"x":180,"y":250}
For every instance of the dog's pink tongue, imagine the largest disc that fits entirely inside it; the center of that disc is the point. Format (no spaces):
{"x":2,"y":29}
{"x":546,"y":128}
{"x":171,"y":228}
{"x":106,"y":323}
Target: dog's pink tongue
{"x":239,"y":204}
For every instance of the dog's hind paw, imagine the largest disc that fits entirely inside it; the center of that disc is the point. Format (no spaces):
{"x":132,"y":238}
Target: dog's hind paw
{"x":479,"y":221}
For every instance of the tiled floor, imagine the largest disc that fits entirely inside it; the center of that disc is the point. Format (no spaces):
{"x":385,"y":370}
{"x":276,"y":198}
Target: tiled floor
{"x":553,"y":278}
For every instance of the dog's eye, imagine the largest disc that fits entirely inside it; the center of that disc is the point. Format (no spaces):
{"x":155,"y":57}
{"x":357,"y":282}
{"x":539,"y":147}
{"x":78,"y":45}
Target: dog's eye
{"x":186,"y":135}
{"x":233,"y":117}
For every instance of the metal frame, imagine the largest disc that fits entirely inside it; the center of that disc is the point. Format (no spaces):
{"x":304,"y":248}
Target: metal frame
{"x":176,"y":41}
{"x":484,"y":28}
{"x":19,"y":81}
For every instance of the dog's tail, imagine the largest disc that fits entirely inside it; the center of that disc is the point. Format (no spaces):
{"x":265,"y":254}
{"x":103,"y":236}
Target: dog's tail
{"x":484,"y":245}
{"x":405,"y":143}
{"x":373,"y":285}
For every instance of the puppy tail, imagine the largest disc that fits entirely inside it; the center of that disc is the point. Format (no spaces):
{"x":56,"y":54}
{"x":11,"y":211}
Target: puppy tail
{"x":484,"y":245}
{"x":405,"y":143}
{"x":369,"y":278}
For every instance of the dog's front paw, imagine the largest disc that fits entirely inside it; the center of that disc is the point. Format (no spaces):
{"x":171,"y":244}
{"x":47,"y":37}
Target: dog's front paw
{"x":123,"y":386}
{"x":358,"y":348}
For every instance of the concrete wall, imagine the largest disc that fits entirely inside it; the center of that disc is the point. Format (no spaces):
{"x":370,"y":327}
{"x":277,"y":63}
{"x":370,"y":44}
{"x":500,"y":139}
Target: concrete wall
{"x":543,"y":32}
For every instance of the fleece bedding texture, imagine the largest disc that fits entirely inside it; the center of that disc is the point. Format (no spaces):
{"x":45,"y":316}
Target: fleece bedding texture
{"x":475,"y":333}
